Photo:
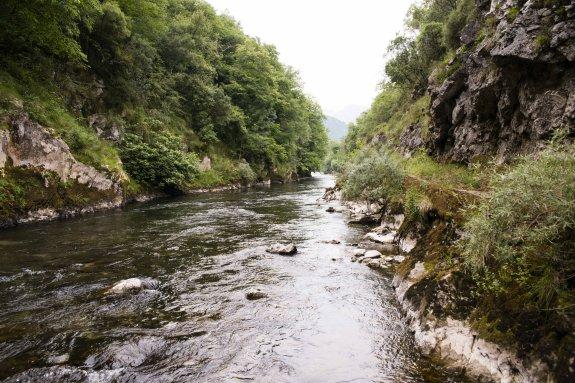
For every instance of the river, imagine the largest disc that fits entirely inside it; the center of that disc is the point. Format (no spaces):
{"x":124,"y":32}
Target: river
{"x":325,"y":319}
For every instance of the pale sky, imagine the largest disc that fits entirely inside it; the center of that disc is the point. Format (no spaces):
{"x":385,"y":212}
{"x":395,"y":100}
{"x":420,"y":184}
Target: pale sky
{"x":337,"y":46}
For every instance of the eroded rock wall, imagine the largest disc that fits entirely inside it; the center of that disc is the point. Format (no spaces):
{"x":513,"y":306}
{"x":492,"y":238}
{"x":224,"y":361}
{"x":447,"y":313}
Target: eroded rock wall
{"x":512,"y":86}
{"x":30,"y":146}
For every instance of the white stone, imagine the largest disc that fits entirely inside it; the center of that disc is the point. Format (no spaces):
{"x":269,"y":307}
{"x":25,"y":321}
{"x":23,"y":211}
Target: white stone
{"x":126,"y":285}
{"x":372,"y":254}
{"x":387,"y":238}
{"x":282,"y":249}
{"x":407,"y":244}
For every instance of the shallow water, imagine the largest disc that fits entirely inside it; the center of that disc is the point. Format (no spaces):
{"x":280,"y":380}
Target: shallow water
{"x":325,"y":319}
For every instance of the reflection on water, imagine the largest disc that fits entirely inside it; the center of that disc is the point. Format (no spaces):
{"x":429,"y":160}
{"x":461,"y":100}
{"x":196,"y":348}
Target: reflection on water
{"x":325,"y":319}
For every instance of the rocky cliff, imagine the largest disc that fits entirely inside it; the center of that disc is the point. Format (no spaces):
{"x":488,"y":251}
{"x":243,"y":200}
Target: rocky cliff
{"x":508,"y":90}
{"x":49,"y":180}
{"x":509,"y":87}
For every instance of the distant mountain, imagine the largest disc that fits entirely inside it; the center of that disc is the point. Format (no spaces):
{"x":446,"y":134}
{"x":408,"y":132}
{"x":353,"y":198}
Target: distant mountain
{"x":348,"y":114}
{"x":336,"y":128}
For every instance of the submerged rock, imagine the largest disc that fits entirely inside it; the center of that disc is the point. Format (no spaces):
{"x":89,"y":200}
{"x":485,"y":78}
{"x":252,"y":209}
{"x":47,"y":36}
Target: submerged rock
{"x":58,"y":359}
{"x":280,"y":249}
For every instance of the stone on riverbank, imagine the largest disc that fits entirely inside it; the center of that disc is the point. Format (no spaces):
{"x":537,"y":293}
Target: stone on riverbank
{"x":372,"y":254}
{"x":280,"y":249}
{"x":388,"y":238}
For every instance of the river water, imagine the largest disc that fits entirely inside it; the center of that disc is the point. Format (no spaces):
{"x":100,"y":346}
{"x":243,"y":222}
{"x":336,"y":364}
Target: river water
{"x":325,"y":319}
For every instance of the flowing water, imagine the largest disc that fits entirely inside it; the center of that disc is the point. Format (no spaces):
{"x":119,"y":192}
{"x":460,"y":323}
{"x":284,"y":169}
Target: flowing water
{"x":325,"y":319}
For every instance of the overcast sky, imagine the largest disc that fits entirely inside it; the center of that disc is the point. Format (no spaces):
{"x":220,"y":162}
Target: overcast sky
{"x":337,"y":46}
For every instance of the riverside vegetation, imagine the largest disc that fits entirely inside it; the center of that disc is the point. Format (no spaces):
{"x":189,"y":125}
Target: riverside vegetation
{"x":140,"y":92}
{"x":471,"y":139}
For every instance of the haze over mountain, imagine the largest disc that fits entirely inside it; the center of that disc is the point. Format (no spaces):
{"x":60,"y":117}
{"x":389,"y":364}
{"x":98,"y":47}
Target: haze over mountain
{"x":336,"y":128}
{"x":349,"y":113}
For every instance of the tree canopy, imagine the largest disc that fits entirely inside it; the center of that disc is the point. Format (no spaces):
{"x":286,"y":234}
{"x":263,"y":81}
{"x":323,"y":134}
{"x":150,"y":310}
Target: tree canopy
{"x":173,"y":67}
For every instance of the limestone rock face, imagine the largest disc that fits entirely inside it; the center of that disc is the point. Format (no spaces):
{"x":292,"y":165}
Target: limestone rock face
{"x":440,"y":329}
{"x":32,"y":146}
{"x":27,"y":144}
{"x":513,"y":88}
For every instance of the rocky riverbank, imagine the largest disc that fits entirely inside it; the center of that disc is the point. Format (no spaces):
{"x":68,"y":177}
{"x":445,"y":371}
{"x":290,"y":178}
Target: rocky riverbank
{"x":436,"y":304}
{"x":51,"y":183}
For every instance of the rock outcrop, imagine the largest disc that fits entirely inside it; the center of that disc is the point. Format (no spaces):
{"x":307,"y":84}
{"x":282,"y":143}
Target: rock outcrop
{"x":512,"y":85}
{"x":442,"y":331}
{"x":31,"y":148}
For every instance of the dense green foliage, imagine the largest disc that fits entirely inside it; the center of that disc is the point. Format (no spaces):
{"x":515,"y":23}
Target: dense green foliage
{"x":521,"y":241}
{"x":374,"y":176}
{"x":157,"y":69}
{"x":335,"y":160}
{"x":159,"y":161}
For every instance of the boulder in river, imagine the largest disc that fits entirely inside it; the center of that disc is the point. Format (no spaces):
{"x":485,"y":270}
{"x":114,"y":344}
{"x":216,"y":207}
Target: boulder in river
{"x":282,"y":249}
{"x":256,"y":294}
{"x":359,"y":252}
{"x":133,"y":285}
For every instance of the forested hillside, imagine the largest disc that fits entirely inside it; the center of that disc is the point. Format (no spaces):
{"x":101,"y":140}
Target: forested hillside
{"x":138,"y":93}
{"x":470,"y":142}
{"x":336,"y":129}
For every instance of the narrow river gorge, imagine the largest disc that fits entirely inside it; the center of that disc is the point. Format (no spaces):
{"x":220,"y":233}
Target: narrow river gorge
{"x":323,"y":317}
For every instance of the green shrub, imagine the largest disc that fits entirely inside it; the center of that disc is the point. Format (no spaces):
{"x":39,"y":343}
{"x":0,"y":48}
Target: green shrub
{"x":520,"y":242}
{"x":245,"y":173}
{"x":159,"y":162}
{"x":542,"y":40}
{"x":374,"y":176}
{"x":512,"y":14}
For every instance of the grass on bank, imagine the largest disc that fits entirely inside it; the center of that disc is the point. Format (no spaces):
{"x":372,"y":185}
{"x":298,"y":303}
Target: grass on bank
{"x":45,"y":107}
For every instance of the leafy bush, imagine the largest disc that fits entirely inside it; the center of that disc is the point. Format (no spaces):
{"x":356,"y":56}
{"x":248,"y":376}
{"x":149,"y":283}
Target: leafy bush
{"x":159,"y":161}
{"x":246,"y":173}
{"x":374,"y":176}
{"x":521,"y":241}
